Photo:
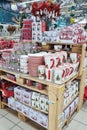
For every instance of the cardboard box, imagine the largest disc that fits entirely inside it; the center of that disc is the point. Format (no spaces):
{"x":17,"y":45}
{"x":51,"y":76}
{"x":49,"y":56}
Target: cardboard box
{"x":18,"y":93}
{"x":35,"y":96}
{"x":26,"y":101}
{"x":43,"y":120}
{"x":25,"y":110}
{"x":11,"y":103}
{"x":18,"y":106}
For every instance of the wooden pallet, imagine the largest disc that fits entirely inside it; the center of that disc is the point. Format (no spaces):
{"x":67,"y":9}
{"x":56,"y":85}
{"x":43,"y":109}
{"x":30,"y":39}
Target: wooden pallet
{"x":21,"y":116}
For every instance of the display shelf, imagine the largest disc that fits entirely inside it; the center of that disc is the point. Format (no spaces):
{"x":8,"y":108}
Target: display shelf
{"x":54,"y":91}
{"x":53,"y":51}
{"x":26,"y":76}
{"x":60,"y":43}
{"x":36,"y":79}
{"x":25,"y":86}
{"x":73,"y":98}
{"x":33,"y":107}
{"x":51,"y":83}
{"x":69,"y":118}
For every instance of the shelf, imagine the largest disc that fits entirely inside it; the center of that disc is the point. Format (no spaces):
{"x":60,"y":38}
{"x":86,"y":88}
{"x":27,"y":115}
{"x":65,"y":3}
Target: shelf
{"x":36,"y":79}
{"x":33,"y":107}
{"x":25,"y":86}
{"x":58,"y":42}
{"x":53,"y":51}
{"x":73,"y":98}
{"x":27,"y":76}
{"x":6,"y":104}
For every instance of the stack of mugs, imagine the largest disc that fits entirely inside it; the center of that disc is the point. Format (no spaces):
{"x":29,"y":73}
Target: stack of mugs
{"x":24,"y":64}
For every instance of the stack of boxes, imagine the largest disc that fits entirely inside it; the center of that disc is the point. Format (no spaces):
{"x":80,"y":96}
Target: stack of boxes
{"x":69,"y":110}
{"x":37,"y":29}
{"x":24,"y":64}
{"x":34,"y":99}
{"x":23,"y":98}
{"x":32,"y":30}
{"x":71,"y":91}
{"x":26,"y":33}
{"x":39,"y":101}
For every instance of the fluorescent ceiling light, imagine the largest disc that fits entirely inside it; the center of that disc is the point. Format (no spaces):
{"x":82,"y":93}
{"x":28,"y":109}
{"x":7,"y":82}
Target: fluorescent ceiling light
{"x":30,"y":1}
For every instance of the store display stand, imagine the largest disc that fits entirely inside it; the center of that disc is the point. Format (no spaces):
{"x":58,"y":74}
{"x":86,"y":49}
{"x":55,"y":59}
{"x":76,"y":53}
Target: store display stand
{"x":55,"y":92}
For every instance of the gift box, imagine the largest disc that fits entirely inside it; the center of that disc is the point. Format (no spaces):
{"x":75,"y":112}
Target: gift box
{"x":18,"y":93}
{"x":12,"y":103}
{"x":43,"y":120}
{"x":18,"y":106}
{"x":25,"y":110}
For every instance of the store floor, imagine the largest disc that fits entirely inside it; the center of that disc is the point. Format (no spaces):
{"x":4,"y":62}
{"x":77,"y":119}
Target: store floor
{"x":9,"y":121}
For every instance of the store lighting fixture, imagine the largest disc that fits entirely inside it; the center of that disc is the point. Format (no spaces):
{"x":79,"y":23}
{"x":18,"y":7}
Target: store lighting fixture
{"x":30,"y":1}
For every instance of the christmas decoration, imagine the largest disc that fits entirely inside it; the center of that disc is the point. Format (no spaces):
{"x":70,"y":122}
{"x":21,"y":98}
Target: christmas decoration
{"x":46,"y":9}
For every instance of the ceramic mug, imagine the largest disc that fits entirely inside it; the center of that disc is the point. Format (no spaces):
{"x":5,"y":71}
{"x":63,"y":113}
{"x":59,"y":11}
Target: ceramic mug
{"x":76,"y":66}
{"x":74,"y":57}
{"x":57,"y":47}
{"x":41,"y":71}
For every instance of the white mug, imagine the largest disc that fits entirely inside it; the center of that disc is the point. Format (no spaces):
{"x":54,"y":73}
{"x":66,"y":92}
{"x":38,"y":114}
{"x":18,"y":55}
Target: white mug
{"x":41,"y":71}
{"x":74,"y":57}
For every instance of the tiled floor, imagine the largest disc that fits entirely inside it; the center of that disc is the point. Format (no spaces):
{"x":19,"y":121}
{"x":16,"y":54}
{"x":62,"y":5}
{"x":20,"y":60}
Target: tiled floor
{"x":9,"y":121}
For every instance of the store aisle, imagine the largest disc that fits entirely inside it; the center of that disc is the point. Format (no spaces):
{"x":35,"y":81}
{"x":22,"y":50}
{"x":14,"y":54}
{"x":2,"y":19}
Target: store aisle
{"x":9,"y":121}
